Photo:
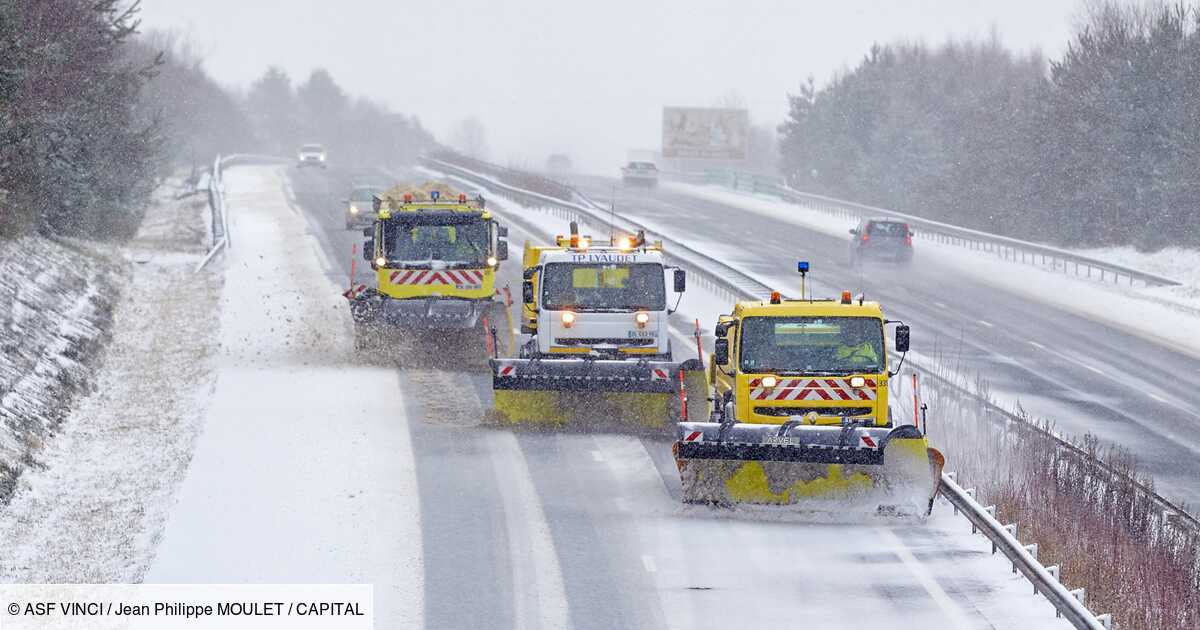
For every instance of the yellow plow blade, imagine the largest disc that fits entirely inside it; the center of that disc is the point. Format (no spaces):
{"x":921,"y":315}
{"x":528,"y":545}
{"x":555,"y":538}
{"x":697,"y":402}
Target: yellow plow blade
{"x":899,"y":478}
{"x":625,"y":396}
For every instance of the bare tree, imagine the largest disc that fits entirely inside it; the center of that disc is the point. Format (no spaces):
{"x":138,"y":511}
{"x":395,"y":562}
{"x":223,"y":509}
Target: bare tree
{"x":470,"y":138}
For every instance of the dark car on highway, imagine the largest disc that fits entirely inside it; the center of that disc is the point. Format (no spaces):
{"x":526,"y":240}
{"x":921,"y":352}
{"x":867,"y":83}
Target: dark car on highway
{"x":881,"y":239}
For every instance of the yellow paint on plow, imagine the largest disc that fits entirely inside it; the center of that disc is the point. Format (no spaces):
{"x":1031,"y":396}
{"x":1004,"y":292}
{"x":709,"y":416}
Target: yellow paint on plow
{"x":750,"y":485}
{"x":550,"y":408}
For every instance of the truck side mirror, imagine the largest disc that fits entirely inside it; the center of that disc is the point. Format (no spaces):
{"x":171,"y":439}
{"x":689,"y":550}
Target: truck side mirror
{"x":502,"y":231}
{"x":502,"y":250}
{"x":902,"y":338}
{"x":680,"y":281}
{"x":721,"y":351}
{"x":527,"y":273}
{"x":854,"y":230}
{"x":527,"y":292}
{"x":368,"y":249}
{"x":369,"y":232}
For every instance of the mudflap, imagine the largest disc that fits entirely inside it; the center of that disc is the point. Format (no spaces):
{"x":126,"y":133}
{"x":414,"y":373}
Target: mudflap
{"x":621,"y":395}
{"x":833,"y":469}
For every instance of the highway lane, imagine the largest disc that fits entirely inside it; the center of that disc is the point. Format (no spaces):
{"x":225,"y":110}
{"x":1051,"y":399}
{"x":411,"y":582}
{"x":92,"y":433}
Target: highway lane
{"x":1084,"y":376}
{"x":583,"y":530}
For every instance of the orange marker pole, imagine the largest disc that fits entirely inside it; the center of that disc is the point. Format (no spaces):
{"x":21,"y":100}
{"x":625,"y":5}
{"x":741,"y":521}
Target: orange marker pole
{"x":683,"y":396}
{"x":353,"y":264}
{"x":487,"y":335}
{"x":699,"y":346}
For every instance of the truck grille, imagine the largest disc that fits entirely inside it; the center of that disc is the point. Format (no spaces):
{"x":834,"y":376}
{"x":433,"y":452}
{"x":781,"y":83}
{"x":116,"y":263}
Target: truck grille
{"x":599,"y":341}
{"x":782,"y":412}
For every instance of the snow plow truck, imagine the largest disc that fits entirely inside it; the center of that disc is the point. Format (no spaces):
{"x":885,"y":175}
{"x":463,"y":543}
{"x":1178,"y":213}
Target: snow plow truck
{"x":435,"y":254}
{"x":800,"y":414}
{"x":599,"y":352}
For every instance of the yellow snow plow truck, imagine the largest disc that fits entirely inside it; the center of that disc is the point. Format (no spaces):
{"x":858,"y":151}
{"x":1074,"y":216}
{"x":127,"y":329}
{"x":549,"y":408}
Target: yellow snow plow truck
{"x":600,"y":349}
{"x":800,"y":414}
{"x":435,"y":254}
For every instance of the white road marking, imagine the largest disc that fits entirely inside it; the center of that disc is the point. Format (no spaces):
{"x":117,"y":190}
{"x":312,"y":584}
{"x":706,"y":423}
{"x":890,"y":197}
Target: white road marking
{"x":598,"y":456}
{"x":539,"y":598}
{"x":648,"y":562}
{"x":1156,"y":397}
{"x":954,"y":614}
{"x":940,"y":305}
{"x":987,"y":323}
{"x":1037,"y":345}
{"x":1094,"y":369}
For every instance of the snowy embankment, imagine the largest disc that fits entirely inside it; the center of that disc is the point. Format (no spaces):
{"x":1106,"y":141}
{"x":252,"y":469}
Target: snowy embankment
{"x":92,"y":510}
{"x":56,"y":302}
{"x":1166,"y":315}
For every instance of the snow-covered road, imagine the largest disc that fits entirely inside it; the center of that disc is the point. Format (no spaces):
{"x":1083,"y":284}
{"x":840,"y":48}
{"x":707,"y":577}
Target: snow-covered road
{"x":304,"y":470}
{"x":260,"y":449}
{"x":587,"y":531}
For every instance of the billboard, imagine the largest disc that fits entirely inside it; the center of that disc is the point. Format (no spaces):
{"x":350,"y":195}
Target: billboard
{"x":699,"y":132}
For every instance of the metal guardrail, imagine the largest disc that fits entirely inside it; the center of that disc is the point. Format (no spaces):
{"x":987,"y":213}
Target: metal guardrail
{"x":220,"y":222}
{"x":1006,"y":248}
{"x":216,"y":198}
{"x":1068,"y":603}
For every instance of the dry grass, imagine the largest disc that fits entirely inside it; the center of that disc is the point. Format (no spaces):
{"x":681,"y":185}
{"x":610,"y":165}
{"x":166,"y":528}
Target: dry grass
{"x":1087,"y":507}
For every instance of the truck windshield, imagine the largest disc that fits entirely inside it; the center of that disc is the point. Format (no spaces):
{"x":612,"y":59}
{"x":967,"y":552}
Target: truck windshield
{"x":462,"y":242}
{"x":812,"y":345}
{"x":603,"y":287}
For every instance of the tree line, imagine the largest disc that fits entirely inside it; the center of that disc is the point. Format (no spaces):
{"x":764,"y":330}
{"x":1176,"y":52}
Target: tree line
{"x":94,"y":114}
{"x":1096,"y":148}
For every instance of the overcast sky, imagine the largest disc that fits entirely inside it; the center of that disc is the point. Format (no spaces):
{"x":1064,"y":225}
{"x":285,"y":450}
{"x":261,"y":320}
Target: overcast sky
{"x":585,"y":78}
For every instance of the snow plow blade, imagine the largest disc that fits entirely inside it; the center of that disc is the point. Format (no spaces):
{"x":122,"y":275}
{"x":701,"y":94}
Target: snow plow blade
{"x":584,"y":392}
{"x":836,"y":469}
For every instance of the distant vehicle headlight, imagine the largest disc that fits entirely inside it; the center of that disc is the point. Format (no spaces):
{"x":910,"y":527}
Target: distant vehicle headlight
{"x":568,"y":318}
{"x":353,"y":209}
{"x":642,"y":318}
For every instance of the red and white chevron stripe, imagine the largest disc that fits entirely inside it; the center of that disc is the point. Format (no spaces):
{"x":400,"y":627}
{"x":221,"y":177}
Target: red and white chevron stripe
{"x":460,"y":278}
{"x":812,"y":389}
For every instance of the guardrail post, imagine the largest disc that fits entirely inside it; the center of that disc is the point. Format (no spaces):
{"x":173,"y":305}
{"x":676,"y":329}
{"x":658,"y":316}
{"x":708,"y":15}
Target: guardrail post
{"x":1033,"y":551}
{"x":1105,"y":620}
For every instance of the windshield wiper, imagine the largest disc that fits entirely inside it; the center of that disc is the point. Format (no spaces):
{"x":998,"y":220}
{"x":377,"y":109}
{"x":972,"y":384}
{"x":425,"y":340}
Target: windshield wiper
{"x":795,"y":372}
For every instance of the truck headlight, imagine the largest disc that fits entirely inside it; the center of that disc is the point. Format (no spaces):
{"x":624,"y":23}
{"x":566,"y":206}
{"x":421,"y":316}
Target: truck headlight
{"x":642,"y":318}
{"x":380,"y":262}
{"x":858,"y":381}
{"x":491,"y":261}
{"x":769,"y":381}
{"x":568,"y":319}
{"x":353,"y":209}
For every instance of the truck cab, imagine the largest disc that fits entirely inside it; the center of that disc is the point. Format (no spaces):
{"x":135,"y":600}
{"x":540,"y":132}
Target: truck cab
{"x":435,"y":259}
{"x":825,"y":361}
{"x":599,"y":300}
